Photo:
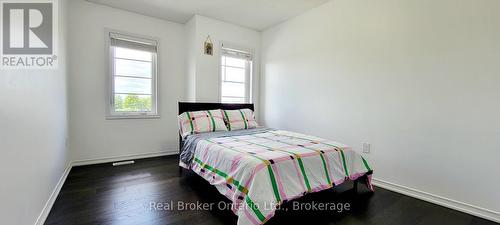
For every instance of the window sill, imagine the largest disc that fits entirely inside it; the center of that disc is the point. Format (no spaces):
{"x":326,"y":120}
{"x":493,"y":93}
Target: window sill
{"x":125,"y":117}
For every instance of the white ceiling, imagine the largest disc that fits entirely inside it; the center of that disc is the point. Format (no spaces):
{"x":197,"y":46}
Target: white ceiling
{"x":255,"y":14}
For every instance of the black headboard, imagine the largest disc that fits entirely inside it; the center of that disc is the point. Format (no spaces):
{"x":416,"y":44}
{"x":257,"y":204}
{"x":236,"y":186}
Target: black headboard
{"x":196,"y":106}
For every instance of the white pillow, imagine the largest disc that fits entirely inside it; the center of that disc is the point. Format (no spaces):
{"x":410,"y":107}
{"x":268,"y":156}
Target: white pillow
{"x":200,"y":122}
{"x":239,"y":119}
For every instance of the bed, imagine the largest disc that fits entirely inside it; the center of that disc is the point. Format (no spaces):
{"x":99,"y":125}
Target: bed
{"x":261,"y":168}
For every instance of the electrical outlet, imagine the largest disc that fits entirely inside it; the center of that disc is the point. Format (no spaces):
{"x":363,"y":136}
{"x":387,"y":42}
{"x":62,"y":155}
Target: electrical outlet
{"x":366,"y":148}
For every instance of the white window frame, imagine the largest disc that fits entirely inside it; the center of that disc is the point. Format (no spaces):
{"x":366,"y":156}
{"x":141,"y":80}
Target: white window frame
{"x":110,"y":101}
{"x":248,"y":74}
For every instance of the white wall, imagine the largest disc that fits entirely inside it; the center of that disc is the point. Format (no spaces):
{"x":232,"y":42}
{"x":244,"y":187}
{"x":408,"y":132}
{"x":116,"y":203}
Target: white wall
{"x":33,"y":129}
{"x":207,"y":68}
{"x":185,"y":74}
{"x":192,"y":52}
{"x":91,"y":135}
{"x":419,"y":80}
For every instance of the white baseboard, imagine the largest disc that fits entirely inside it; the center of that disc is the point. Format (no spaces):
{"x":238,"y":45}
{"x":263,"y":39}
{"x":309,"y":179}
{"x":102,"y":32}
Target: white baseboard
{"x":48,"y":205}
{"x":53,"y":196}
{"x":122,"y":158}
{"x":446,"y":202}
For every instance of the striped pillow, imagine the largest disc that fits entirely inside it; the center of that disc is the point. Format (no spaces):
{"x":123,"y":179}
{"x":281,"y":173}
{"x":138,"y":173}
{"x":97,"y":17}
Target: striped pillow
{"x":239,"y":119}
{"x":201,"y":122}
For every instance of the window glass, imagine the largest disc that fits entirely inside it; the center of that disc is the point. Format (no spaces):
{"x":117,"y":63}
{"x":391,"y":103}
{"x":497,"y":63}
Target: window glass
{"x":235,"y":76}
{"x":133,"y":76}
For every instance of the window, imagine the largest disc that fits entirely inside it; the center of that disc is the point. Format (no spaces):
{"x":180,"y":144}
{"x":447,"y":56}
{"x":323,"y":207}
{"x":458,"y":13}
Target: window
{"x":236,"y":76}
{"x":133,"y":68}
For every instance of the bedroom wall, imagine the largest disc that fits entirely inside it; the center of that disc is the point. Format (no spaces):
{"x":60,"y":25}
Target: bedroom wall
{"x":419,"y":80}
{"x":91,"y":135}
{"x":33,"y":132}
{"x":191,"y":56}
{"x":204,"y":69}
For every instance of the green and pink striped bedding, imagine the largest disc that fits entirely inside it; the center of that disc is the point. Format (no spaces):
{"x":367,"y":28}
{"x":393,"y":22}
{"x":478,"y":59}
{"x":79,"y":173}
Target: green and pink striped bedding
{"x":256,"y":171}
{"x":200,"y":122}
{"x":239,"y":119}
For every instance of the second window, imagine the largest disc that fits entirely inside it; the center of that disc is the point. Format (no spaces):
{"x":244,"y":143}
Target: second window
{"x":236,"y":76}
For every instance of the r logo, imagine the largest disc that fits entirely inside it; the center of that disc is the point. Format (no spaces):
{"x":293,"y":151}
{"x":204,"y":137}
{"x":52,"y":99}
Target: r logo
{"x":27,"y":28}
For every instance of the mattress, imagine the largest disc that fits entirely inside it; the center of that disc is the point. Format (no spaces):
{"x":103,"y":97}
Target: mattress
{"x":259,"y":169}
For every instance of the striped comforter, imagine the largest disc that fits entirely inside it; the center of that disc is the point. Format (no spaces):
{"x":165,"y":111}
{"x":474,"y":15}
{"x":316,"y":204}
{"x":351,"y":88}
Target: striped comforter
{"x":258,"y":171}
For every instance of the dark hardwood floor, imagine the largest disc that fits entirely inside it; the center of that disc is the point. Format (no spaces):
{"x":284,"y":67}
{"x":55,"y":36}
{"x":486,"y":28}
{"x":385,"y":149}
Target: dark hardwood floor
{"x":102,"y":194}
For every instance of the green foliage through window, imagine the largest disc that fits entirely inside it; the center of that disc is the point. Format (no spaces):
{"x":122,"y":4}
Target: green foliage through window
{"x":133,"y":103}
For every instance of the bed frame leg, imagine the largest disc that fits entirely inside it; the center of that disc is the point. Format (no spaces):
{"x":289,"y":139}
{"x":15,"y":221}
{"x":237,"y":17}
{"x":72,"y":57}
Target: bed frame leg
{"x":180,"y":171}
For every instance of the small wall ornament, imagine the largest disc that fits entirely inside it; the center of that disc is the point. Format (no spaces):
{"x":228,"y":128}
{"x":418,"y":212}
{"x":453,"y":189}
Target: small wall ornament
{"x":208,"y":46}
